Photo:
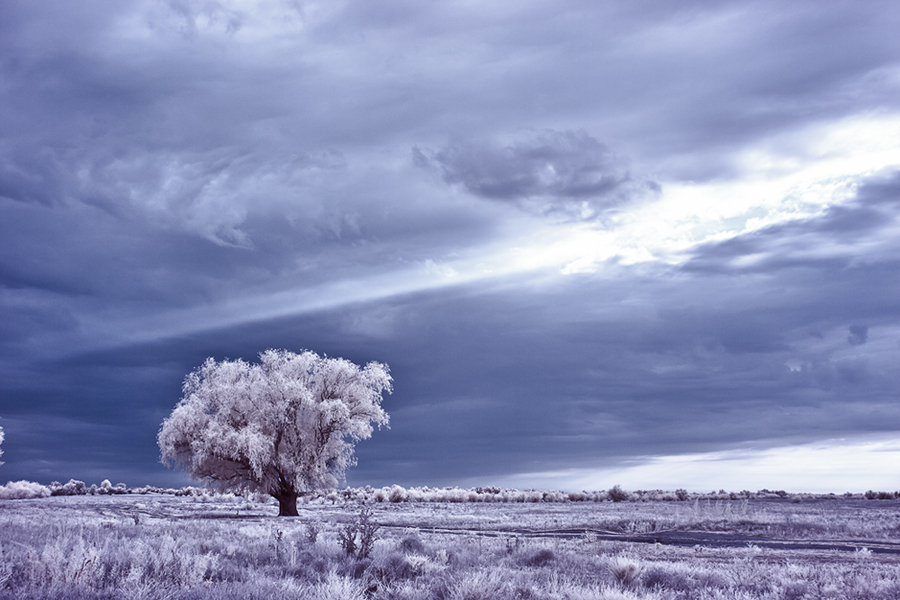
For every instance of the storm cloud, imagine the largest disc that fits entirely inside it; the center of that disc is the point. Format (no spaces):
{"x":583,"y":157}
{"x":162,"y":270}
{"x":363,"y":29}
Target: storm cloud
{"x":581,"y":234}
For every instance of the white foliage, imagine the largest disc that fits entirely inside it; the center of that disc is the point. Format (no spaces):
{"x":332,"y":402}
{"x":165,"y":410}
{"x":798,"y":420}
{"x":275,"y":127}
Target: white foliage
{"x":19,"y":490}
{"x":1,"y":442}
{"x":286,"y":425}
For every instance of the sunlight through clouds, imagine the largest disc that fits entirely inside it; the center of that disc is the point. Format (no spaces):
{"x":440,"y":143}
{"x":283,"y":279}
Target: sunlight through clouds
{"x":839,"y":465}
{"x":793,"y":176}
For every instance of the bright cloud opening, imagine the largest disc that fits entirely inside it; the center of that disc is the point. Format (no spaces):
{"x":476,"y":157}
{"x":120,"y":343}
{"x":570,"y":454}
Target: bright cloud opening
{"x":837,"y":465}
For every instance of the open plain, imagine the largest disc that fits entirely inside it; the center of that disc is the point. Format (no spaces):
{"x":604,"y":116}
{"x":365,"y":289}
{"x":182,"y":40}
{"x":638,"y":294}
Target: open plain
{"x":230,"y":547}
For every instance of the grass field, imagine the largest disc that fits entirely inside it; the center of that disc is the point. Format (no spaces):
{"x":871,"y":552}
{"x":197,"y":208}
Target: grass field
{"x":162,"y":546}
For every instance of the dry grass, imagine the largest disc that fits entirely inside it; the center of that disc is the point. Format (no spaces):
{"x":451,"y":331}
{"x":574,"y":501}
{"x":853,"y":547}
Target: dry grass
{"x":224,"y":547}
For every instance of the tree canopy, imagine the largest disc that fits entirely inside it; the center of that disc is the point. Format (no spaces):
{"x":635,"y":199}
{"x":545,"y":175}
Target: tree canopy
{"x":285,"y":426}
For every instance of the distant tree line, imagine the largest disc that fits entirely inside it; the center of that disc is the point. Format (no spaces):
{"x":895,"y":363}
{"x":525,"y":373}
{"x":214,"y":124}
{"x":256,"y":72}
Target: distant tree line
{"x":397,"y":493}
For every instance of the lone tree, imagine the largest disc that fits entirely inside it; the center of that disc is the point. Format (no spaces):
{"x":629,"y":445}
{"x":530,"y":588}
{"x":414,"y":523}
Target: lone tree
{"x":285,"y":427}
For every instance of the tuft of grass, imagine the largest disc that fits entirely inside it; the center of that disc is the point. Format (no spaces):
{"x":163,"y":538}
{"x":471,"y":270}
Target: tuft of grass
{"x":626,"y":571}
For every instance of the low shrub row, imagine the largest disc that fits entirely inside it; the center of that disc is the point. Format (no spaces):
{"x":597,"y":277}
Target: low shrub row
{"x":396,"y":493}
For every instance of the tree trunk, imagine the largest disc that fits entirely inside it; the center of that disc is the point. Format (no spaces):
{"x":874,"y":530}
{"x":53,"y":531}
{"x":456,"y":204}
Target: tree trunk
{"x":287,"y":504}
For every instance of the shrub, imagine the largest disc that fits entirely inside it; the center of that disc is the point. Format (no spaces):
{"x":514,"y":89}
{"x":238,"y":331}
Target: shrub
{"x":358,"y":538}
{"x":870,"y":495}
{"x":540,"y":558}
{"x":347,"y":539}
{"x":658,"y":577}
{"x":617,"y":494}
{"x":20,"y":490}
{"x":395,"y":568}
{"x":411,"y":544}
{"x":625,"y":570}
{"x":311,"y":533}
{"x":72,"y":488}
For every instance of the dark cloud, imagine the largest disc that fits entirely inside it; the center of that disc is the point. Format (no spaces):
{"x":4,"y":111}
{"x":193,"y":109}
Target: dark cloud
{"x":174,"y":173}
{"x":491,"y":381}
{"x":566,"y":172}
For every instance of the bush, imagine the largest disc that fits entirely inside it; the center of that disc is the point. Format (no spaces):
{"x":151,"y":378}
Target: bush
{"x":20,"y":490}
{"x":617,"y":494}
{"x":541,"y":558}
{"x":411,"y":544}
{"x":358,"y":538}
{"x":107,"y":488}
{"x":658,"y":577}
{"x":625,"y":570}
{"x":397,"y":494}
{"x":72,"y":488}
{"x":396,"y":567}
{"x":870,"y":495}
{"x":311,"y":533}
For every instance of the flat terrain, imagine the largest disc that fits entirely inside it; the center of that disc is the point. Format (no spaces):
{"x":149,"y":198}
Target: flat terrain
{"x":229,"y":547}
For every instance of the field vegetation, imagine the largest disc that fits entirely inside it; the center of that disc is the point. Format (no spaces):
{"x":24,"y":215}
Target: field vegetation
{"x":201,"y":546}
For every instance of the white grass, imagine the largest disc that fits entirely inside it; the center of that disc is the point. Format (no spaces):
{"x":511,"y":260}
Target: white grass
{"x":159,"y":546}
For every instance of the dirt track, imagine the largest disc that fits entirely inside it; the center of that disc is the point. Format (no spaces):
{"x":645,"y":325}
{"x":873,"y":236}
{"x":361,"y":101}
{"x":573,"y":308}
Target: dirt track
{"x":706,"y":539}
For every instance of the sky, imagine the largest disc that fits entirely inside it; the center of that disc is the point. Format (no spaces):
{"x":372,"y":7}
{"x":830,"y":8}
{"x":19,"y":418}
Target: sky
{"x":646,"y":243}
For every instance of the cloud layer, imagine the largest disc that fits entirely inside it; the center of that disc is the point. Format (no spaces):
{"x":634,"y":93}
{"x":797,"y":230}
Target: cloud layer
{"x":578,"y":232}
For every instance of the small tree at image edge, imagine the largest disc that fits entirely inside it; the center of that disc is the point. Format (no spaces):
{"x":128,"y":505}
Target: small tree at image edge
{"x":285,"y":426}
